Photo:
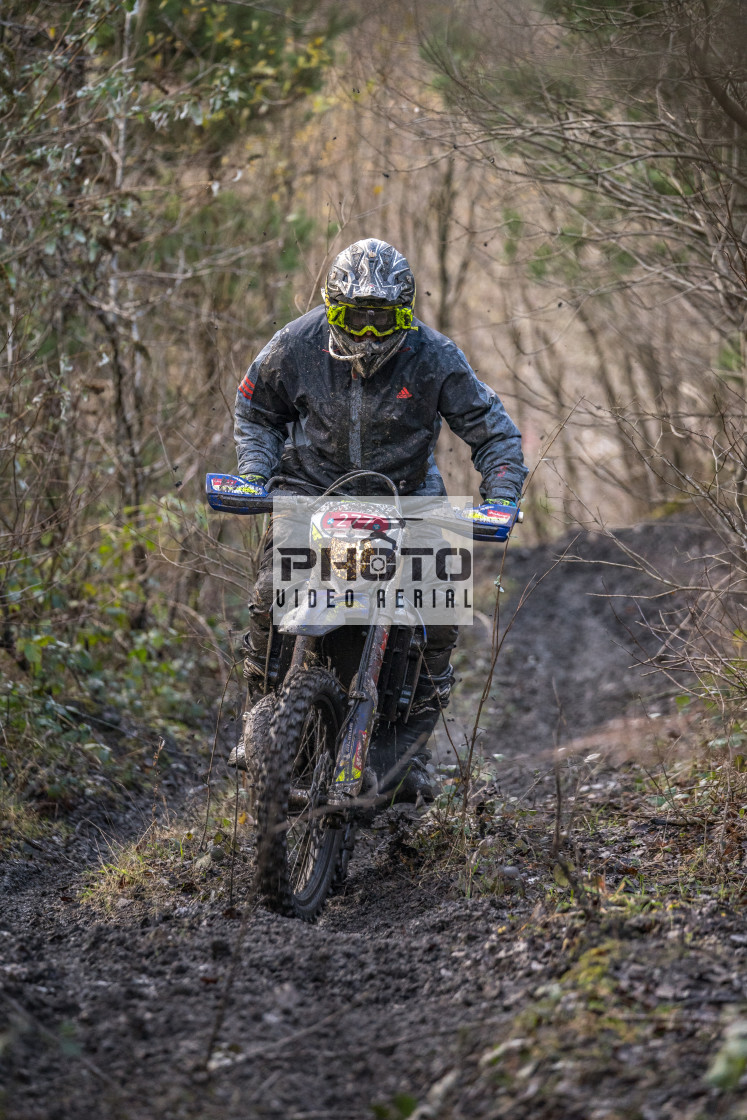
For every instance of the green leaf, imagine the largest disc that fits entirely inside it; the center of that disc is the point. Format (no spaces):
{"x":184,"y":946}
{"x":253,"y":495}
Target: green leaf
{"x":31,"y":652}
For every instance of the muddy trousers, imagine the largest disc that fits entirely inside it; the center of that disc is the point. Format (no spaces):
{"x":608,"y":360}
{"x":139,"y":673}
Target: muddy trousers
{"x":432,"y":692}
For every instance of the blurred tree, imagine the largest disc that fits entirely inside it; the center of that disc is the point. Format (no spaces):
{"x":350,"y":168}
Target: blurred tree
{"x":630,"y":119}
{"x":121,"y":229}
{"x":639,"y":110}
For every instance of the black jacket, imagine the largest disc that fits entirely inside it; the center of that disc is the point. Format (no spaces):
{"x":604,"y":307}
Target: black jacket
{"x":299,"y":412}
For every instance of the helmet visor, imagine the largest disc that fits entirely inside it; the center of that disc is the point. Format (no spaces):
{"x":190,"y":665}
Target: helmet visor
{"x":379,"y":321}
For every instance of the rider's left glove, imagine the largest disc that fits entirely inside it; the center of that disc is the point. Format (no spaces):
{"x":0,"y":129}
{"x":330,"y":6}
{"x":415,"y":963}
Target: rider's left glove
{"x":253,"y":485}
{"x":499,"y":514}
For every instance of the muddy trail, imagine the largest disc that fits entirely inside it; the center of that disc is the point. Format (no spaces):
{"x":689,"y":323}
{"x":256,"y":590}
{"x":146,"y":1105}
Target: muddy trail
{"x":559,"y":970}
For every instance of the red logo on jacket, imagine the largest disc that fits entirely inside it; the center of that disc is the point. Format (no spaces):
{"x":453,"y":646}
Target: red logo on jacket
{"x":246,"y":388}
{"x":404,"y":394}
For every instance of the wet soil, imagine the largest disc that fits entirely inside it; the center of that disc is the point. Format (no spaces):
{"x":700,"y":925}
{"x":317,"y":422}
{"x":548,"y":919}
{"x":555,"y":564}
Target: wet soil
{"x":432,"y":986}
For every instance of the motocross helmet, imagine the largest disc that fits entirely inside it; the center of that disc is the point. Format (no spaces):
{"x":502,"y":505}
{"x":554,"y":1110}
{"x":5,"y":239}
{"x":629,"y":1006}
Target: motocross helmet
{"x":369,"y":296}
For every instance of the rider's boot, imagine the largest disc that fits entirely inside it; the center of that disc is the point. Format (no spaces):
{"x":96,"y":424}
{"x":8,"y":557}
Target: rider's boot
{"x":399,"y":752}
{"x":254,"y":735}
{"x":254,"y":673}
{"x":255,"y":658}
{"x":399,"y":755}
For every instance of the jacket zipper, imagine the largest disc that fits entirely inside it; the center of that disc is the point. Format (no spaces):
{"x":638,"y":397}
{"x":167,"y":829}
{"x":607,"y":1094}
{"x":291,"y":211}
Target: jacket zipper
{"x":354,"y":445}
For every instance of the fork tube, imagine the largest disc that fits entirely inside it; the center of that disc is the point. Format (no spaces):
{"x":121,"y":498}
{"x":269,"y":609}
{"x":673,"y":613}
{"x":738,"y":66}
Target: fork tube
{"x":304,"y":647}
{"x":371,"y":664}
{"x":355,"y":734}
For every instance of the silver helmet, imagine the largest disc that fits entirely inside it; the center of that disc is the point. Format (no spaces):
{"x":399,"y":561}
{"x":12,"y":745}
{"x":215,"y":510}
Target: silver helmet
{"x":369,"y":296}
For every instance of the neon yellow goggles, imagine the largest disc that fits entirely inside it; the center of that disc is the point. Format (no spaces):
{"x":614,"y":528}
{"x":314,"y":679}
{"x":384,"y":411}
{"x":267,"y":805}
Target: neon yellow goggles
{"x":381,"y":321}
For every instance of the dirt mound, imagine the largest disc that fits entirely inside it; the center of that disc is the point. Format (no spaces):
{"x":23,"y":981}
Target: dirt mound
{"x":574,"y":657}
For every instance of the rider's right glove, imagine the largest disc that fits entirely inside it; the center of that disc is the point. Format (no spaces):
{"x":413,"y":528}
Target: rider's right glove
{"x":497,"y":516}
{"x":253,"y":485}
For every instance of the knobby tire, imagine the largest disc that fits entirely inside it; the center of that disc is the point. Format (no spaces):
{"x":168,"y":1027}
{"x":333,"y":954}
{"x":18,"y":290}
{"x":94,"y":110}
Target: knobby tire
{"x":300,"y":852}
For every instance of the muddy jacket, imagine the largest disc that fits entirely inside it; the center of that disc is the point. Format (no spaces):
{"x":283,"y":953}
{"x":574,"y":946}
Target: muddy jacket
{"x":300,"y":413}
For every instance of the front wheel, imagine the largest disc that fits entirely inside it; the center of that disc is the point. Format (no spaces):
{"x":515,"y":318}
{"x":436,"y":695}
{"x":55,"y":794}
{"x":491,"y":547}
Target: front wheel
{"x":298,"y":844}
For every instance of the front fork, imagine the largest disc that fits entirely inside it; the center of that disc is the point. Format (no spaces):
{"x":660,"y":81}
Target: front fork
{"x":356,"y":733}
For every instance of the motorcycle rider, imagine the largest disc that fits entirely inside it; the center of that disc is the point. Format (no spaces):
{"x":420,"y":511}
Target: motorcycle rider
{"x":360,"y":384}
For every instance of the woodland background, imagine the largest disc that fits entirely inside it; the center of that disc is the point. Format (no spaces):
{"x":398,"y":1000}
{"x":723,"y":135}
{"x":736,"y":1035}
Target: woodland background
{"x":568,"y":179}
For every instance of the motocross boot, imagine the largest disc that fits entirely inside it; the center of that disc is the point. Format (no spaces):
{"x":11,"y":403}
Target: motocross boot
{"x":254,"y":737}
{"x":399,"y":757}
{"x":254,"y":674}
{"x":255,"y":658}
{"x":399,"y":752}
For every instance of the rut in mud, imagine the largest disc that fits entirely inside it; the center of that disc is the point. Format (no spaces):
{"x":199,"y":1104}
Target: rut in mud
{"x":408,"y":997}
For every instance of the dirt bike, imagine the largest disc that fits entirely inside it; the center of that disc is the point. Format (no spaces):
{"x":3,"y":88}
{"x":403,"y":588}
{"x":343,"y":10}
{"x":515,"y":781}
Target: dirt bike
{"x":328,"y":687}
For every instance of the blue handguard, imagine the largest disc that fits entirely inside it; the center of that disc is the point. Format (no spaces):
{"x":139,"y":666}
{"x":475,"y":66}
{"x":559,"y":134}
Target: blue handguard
{"x":493,"y":519}
{"x":232,"y":493}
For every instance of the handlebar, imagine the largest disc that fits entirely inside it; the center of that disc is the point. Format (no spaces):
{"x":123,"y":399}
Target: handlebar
{"x":226,"y":493}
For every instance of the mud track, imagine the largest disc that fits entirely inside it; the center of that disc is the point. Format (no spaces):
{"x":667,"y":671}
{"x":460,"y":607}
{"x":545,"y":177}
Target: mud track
{"x":182,"y":1004}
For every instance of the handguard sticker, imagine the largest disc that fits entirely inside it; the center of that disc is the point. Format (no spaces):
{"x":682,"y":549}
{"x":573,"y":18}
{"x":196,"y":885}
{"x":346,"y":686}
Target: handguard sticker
{"x":500,"y":515}
{"x":230,"y":484}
